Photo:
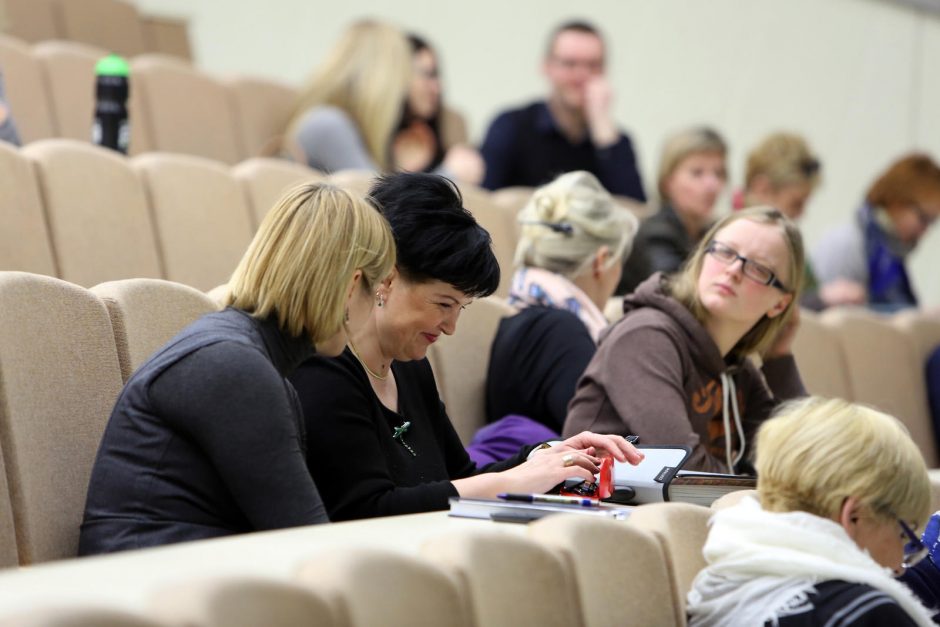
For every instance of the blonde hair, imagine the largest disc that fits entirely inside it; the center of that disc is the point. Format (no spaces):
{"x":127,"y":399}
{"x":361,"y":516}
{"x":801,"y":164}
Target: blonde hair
{"x":303,"y":256}
{"x":785,"y":159}
{"x":567,"y":220}
{"x":691,"y":141}
{"x":817,"y":452}
{"x":683,"y":286}
{"x":367,"y":75}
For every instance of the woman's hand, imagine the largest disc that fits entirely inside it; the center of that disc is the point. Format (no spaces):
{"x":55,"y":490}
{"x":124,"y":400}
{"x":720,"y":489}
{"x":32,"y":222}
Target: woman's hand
{"x":549,"y":468}
{"x":783,"y":343}
{"x":465,"y":164}
{"x":601,"y":445}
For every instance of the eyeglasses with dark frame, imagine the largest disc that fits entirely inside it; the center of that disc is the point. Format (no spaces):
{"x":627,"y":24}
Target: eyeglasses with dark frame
{"x":753,"y":270}
{"x":914,"y":549}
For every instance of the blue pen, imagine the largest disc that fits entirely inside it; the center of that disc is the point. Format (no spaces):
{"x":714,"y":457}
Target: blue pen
{"x":550,"y":498}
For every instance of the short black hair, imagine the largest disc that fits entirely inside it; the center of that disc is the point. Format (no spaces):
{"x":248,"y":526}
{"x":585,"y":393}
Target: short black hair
{"x":578,"y":26}
{"x":436,"y":237}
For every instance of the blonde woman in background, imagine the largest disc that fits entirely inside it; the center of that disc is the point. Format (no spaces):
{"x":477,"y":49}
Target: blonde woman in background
{"x":569,"y":258}
{"x":207,"y":437}
{"x":783,"y":172}
{"x":841,"y":488}
{"x":355,"y":112}
{"x":692,"y":175}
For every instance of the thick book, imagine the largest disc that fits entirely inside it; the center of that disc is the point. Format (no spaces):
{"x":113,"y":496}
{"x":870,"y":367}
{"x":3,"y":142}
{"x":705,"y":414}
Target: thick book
{"x":660,"y":477}
{"x":514,"y":511}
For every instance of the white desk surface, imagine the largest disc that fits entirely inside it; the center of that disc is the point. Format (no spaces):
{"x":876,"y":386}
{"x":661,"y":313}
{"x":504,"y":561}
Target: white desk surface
{"x":127,"y":580}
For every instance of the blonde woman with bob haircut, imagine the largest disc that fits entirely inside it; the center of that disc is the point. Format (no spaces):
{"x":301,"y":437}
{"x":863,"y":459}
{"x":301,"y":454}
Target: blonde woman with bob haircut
{"x":573,"y":242}
{"x":841,"y":488}
{"x":692,"y":175}
{"x":675,"y":369}
{"x":357,"y":110}
{"x":207,"y":437}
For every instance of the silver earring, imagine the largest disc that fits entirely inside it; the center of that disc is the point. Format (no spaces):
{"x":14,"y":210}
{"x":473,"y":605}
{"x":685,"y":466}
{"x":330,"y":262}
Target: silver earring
{"x":347,"y":314}
{"x":380,"y":301}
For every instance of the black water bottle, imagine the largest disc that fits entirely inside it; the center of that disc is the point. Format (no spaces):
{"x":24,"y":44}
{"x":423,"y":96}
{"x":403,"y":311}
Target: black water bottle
{"x":112,"y":87}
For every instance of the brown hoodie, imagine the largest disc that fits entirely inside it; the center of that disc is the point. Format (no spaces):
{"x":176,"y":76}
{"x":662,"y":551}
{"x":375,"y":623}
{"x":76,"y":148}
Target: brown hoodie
{"x":659,"y":375}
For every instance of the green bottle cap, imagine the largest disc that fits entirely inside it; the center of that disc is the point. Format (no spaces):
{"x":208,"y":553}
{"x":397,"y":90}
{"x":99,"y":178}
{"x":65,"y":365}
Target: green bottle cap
{"x":112,"y":65}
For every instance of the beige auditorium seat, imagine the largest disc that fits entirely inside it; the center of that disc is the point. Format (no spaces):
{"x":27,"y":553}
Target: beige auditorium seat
{"x":24,"y":236}
{"x":114,"y":25}
{"x":733,"y":498}
{"x":886,"y":372}
{"x":262,"y":110}
{"x":620,"y":570}
{"x":681,"y":529}
{"x":460,"y":364}
{"x":241,"y":602}
{"x":61,"y":376}
{"x":380,"y":588}
{"x":9,"y":555}
{"x":79,"y":617}
{"x":167,"y":35}
{"x":820,"y":358}
{"x":201,"y":123}
{"x":32,"y":20}
{"x":512,"y":198}
{"x":509,"y":580}
{"x":69,"y":69}
{"x":502,"y":226}
{"x":201,"y":217}
{"x":922,"y":329}
{"x":96,"y":212}
{"x":265,"y":180}
{"x":26,"y":90}
{"x":147,"y":313}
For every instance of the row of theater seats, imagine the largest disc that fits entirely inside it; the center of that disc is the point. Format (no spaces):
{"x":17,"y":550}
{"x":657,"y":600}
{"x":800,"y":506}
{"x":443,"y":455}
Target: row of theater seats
{"x":564,"y":570}
{"x":87,"y":214}
{"x":51,"y":90}
{"x":114,"y":25}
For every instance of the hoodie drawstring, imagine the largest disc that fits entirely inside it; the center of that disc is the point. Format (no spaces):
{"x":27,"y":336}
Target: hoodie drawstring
{"x":729,"y":398}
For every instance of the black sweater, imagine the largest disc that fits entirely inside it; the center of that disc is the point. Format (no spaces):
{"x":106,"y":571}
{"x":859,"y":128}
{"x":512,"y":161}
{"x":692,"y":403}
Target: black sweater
{"x":205,"y":440}
{"x":538,"y":355}
{"x":838,"y":603}
{"x":360,"y":469}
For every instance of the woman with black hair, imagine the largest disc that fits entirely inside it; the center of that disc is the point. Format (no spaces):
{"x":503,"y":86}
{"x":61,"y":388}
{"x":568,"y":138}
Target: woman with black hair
{"x":379,"y":440}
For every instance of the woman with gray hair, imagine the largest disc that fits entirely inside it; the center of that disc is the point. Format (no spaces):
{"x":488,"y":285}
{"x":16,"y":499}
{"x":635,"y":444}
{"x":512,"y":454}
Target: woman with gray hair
{"x":573,"y":241}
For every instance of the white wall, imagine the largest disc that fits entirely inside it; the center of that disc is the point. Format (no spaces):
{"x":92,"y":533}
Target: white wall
{"x":859,"y":78}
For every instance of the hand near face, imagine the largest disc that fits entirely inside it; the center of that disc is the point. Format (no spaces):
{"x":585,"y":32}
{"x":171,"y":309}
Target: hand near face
{"x":465,"y":164}
{"x":598,"y":98}
{"x":783,"y":343}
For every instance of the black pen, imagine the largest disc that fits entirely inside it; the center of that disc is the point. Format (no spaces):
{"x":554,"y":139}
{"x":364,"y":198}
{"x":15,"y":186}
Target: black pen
{"x":550,"y":498}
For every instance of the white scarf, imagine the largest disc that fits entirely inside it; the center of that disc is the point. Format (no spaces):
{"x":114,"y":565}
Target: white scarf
{"x":539,"y":287}
{"x":761,"y":565}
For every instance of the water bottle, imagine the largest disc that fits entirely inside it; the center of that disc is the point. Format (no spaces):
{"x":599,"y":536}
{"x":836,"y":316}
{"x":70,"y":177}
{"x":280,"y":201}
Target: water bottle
{"x":111,"y":128}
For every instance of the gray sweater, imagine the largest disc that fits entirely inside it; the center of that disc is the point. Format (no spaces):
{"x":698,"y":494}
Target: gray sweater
{"x":207,"y":439}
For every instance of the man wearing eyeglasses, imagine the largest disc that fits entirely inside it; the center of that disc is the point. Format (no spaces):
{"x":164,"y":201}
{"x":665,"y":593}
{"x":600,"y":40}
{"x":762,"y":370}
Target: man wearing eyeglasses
{"x":572,"y":130}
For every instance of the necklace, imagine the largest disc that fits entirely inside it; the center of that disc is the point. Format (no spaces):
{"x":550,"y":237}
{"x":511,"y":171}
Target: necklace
{"x":380,"y":377}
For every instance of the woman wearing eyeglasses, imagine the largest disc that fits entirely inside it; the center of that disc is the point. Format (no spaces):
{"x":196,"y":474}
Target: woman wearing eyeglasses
{"x":675,"y":369}
{"x":841,"y":488}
